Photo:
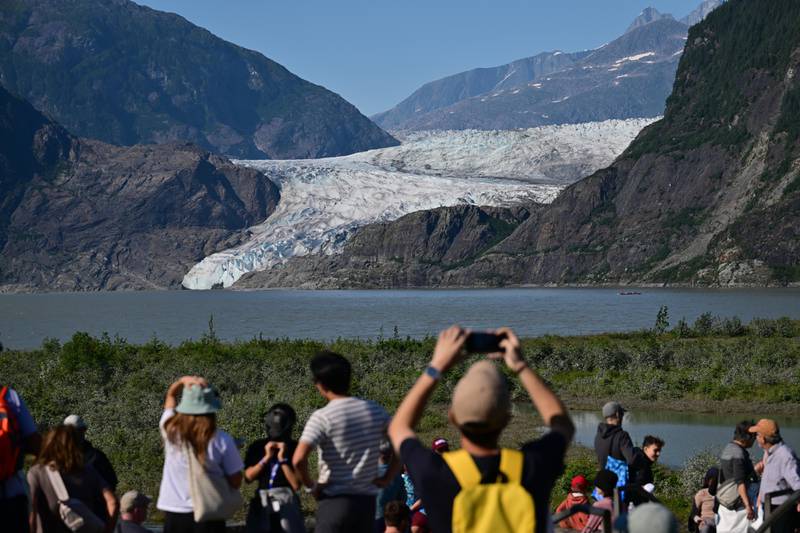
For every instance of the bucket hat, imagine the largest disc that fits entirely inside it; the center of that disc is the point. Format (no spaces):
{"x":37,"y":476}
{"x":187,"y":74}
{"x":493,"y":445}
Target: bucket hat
{"x":197,"y":400}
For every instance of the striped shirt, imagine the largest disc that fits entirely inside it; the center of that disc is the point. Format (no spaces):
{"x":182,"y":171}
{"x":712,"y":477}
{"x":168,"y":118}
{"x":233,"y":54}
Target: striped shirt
{"x":347,"y":433}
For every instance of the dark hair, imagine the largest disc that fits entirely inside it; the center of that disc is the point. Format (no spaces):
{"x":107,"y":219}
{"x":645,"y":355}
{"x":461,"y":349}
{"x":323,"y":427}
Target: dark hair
{"x":710,"y":479}
{"x":606,"y":480}
{"x":742,"y":431}
{"x":332,"y":371}
{"x":649,"y":440}
{"x":773,"y":439}
{"x":396,"y":513}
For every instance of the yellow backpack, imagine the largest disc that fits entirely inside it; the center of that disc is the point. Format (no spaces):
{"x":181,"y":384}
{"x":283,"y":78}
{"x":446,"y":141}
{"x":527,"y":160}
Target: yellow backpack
{"x":500,"y":507}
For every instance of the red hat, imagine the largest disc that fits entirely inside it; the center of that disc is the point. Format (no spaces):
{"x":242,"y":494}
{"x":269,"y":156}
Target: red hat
{"x":579,"y":484}
{"x":440,"y":445}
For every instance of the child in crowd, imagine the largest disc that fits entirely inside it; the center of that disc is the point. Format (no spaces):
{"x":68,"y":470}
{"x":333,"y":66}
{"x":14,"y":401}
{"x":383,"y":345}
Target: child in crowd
{"x":576,"y":496}
{"x":394,"y":491}
{"x":604,"y":481}
{"x":397,"y":517}
{"x":702,"y":519}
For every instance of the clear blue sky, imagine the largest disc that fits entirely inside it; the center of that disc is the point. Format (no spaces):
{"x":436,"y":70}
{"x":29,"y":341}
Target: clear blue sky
{"x":374,"y":53}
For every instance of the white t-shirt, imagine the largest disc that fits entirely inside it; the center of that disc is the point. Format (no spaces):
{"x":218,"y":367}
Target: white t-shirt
{"x":222,"y":458}
{"x":347,"y":433}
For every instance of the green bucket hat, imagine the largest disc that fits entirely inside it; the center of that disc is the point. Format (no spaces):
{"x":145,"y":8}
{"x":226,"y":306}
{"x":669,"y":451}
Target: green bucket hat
{"x":197,"y":400}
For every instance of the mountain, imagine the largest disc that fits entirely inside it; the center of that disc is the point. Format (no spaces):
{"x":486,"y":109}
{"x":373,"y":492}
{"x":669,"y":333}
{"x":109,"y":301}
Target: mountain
{"x":648,"y":15}
{"x":709,"y":195}
{"x":125,"y":74}
{"x":627,"y":78}
{"x":701,"y":12}
{"x":77,"y":214}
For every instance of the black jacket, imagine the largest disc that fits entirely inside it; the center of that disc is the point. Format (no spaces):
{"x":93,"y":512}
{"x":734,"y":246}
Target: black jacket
{"x":613,"y":441}
{"x":97,"y":459}
{"x":641,"y":469}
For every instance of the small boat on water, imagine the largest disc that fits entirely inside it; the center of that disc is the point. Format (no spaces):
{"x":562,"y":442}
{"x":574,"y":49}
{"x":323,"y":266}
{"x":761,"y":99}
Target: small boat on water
{"x":629,"y":293}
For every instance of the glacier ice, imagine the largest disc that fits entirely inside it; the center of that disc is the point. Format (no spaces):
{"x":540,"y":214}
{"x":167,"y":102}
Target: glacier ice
{"x":324,"y":200}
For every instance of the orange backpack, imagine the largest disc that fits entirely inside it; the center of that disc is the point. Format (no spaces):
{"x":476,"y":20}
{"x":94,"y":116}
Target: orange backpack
{"x":9,"y":439}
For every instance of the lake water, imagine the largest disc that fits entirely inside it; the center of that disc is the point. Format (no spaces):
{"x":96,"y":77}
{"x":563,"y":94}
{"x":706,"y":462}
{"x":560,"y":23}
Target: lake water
{"x":686,"y":434}
{"x":173,"y":316}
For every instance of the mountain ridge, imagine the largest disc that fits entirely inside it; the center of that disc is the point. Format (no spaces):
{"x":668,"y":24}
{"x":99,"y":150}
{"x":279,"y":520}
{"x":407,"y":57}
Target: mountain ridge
{"x":577,"y":92}
{"x":178,"y":82}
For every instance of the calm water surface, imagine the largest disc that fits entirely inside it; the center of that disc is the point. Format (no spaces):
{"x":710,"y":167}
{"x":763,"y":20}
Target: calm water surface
{"x":173,"y":316}
{"x":686,"y":434}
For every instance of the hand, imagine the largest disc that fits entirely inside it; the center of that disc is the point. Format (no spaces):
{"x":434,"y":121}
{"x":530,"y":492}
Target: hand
{"x":448,"y":349}
{"x":281,"y":447}
{"x":759,"y":467}
{"x":512,"y":352}
{"x":270,"y":450}
{"x":750,"y":514}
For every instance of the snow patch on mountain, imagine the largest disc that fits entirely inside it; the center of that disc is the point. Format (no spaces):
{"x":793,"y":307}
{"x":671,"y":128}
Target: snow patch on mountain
{"x":324,"y":200}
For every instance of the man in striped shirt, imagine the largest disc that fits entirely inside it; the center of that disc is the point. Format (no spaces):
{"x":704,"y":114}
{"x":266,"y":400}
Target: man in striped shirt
{"x":347,"y":434}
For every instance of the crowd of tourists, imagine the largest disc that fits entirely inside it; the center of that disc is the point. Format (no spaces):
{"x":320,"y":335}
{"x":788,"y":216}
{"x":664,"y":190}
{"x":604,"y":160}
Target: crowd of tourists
{"x":374,"y":474}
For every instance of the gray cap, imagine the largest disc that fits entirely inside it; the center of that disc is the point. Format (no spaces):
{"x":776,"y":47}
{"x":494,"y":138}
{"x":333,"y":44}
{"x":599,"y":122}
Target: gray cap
{"x":652,"y":518}
{"x":75,"y":421}
{"x":612,"y":409}
{"x":131,"y":500}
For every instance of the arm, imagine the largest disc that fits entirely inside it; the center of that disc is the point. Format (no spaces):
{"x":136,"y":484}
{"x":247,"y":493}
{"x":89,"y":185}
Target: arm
{"x":550,"y":407}
{"x":415,"y":507}
{"x":445,"y":355}
{"x":174,"y":391}
{"x":111,"y":507}
{"x":300,"y":463}
{"x":741,"y":488}
{"x":286,"y":467}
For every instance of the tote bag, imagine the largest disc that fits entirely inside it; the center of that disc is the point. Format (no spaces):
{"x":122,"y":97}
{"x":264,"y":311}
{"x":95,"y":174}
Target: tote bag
{"x":212,"y":496}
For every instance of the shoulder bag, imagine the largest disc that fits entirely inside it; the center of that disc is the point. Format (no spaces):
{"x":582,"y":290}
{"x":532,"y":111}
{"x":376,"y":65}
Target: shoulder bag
{"x":213,"y":498}
{"x":75,"y":514}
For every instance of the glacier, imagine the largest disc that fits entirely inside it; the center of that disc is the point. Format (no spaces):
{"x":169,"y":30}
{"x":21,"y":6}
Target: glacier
{"x":323,"y":201}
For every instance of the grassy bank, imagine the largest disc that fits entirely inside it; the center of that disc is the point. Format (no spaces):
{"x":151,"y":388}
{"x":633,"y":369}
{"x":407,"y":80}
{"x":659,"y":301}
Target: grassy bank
{"x":118,"y":387}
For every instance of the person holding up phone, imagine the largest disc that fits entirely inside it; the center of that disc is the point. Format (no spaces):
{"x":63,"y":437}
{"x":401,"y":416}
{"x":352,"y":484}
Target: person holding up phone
{"x":482,"y":473}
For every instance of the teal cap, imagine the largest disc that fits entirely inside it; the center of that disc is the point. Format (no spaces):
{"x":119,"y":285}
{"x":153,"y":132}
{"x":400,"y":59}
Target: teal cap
{"x":197,"y":400}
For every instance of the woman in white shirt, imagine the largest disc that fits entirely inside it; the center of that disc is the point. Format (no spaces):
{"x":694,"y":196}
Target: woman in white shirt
{"x":192,"y":425}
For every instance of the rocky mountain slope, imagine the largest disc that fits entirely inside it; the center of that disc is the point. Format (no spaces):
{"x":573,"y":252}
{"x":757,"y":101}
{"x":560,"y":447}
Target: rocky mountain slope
{"x":323,"y":201}
{"x":629,"y":77}
{"x":709,"y":195}
{"x":125,"y":74}
{"x":77,"y":214}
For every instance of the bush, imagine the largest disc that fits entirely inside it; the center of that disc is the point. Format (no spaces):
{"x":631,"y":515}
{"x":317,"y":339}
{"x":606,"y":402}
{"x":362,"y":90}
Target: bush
{"x":704,"y":325}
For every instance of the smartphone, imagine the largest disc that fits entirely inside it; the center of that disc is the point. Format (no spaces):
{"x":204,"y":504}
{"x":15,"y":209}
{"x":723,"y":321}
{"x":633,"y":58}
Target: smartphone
{"x":483,"y":342}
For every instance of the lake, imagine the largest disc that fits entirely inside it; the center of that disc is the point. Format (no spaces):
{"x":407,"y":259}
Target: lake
{"x":686,"y":434}
{"x":174,"y":316}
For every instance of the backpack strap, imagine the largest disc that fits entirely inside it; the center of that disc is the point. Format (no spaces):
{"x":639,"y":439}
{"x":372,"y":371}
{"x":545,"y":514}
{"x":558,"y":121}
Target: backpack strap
{"x":466,"y":472}
{"x":511,"y":465}
{"x":463,"y":468}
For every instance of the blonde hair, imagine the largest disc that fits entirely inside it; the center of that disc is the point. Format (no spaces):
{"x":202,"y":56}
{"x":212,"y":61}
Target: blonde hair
{"x":195,"y":430}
